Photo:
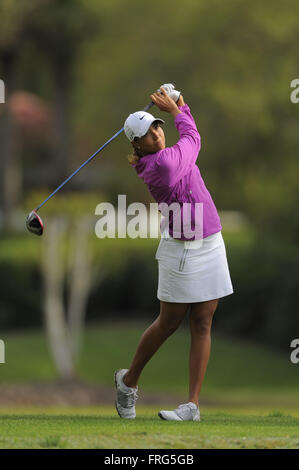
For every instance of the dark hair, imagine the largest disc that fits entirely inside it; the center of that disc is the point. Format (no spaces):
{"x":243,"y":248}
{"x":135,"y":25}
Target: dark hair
{"x":133,"y":158}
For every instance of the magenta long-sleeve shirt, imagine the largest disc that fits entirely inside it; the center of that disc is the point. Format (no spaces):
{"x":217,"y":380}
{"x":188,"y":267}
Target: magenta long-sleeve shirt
{"x":172,"y":176}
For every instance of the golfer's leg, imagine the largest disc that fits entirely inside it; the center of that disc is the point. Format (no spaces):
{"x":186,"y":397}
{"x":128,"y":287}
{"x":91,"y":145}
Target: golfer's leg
{"x":201,"y":317}
{"x":170,"y":317}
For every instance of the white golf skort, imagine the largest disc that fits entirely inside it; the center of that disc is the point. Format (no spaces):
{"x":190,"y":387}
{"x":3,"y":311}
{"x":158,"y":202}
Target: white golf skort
{"x":192,"y":271}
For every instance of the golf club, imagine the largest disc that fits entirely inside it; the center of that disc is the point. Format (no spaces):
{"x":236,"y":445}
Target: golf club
{"x":34,"y":222}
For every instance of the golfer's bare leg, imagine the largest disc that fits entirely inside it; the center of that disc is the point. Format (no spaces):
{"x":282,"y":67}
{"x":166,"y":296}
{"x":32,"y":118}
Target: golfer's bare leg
{"x":169,"y":319}
{"x":201,"y":317}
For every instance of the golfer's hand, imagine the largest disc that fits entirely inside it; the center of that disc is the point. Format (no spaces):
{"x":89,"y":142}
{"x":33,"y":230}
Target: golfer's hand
{"x":171,"y":91}
{"x":165,"y":103}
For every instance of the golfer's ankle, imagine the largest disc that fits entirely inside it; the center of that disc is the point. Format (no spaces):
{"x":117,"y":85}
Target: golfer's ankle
{"x":194,"y":400}
{"x":129,"y":381}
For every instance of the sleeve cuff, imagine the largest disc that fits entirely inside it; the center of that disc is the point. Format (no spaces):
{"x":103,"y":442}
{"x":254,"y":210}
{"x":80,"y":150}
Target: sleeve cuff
{"x":183,"y":109}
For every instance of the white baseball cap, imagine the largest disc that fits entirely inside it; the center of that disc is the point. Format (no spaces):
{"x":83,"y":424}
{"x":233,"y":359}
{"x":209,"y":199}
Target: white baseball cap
{"x":137,"y":124}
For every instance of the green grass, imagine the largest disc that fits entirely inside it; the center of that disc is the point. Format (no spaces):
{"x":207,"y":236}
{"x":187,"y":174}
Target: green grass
{"x":101,"y":428}
{"x":249,"y":398}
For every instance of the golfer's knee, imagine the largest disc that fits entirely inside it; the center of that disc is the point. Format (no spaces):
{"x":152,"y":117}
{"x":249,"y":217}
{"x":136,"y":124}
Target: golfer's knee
{"x":167,"y":328}
{"x":201,"y":326}
{"x":201,"y":323}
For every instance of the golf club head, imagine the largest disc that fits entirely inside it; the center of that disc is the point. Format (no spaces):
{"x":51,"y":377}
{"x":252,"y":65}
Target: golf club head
{"x":34,"y":223}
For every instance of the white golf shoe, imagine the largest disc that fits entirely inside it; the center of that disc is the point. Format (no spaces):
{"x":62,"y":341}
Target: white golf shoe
{"x":186,"y":412}
{"x":125,"y":396}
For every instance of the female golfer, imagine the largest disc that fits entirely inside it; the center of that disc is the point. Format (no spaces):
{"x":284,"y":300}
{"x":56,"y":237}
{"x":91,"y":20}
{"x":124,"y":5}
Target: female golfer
{"x":193,"y":271}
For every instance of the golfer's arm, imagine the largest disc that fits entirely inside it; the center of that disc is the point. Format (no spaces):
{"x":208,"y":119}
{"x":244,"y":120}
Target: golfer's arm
{"x":175,"y":111}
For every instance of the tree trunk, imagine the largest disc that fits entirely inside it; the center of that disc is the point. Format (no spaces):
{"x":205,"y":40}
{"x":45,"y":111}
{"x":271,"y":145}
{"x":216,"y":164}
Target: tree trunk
{"x":80,"y":283}
{"x":56,"y":326}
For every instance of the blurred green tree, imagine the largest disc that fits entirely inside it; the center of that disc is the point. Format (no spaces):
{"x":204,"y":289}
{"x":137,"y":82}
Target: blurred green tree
{"x":57,"y":30}
{"x":14,"y":18}
{"x":51,"y":32}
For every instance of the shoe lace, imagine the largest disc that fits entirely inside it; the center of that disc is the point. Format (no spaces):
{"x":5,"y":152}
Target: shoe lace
{"x":128,"y":399}
{"x":185,"y":407}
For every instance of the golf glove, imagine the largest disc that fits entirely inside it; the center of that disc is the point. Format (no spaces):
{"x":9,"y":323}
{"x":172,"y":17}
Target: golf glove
{"x":171,"y":91}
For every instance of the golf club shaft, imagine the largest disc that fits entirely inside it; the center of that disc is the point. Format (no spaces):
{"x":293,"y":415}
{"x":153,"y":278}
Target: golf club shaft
{"x":87,"y":161}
